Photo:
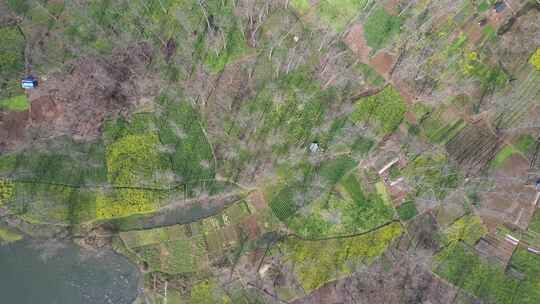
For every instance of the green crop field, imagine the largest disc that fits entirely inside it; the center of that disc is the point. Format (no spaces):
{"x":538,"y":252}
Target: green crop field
{"x":385,"y":110}
{"x":317,"y":262}
{"x":407,"y":211}
{"x":345,"y":210}
{"x":486,"y":280}
{"x":231,"y":150}
{"x":380,"y":27}
{"x":15,"y":103}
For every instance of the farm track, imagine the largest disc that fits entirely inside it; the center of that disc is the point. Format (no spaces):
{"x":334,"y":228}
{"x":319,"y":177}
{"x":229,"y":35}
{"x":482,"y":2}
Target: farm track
{"x":113,"y":187}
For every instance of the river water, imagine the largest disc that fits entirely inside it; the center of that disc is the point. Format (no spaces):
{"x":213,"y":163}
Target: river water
{"x":54,"y":273}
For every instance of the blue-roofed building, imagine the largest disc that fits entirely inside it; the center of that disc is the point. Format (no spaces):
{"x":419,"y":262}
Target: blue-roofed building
{"x":29,"y":82}
{"x":500,"y":6}
{"x":538,"y":183}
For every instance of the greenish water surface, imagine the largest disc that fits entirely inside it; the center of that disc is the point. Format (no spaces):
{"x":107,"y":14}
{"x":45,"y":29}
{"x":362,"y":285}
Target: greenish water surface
{"x":61,"y":273}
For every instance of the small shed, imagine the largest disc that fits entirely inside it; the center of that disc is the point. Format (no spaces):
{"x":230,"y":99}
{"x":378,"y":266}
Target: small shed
{"x":314,"y":147}
{"x":482,"y":22}
{"x":499,"y":6}
{"x":29,"y":82}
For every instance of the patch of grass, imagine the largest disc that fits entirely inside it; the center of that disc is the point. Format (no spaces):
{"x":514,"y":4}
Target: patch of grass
{"x":534,"y":224}
{"x":178,"y":257}
{"x":207,"y":292}
{"x":339,"y":13}
{"x":132,"y":161}
{"x":526,"y":262}
{"x":38,"y":203}
{"x":132,"y":158}
{"x":394,"y":172}
{"x":347,"y":210}
{"x":301,"y":5}
{"x":472,"y":64}
{"x":413,"y":129}
{"x":489,"y":33}
{"x":407,"y":211}
{"x":311,"y":225}
{"x":11,"y":61}
{"x":15,"y":103}
{"x":19,"y":7}
{"x":366,"y":213}
{"x":534,"y":60}
{"x":151,"y":255}
{"x":283,"y":205}
{"x":420,"y":110}
{"x":293,"y":191}
{"x":234,"y":46}
{"x":381,"y":190}
{"x":468,"y":229}
{"x":385,"y":110}
{"x":362,"y":145}
{"x":441,"y":125}
{"x":432,"y":175}
{"x":8,"y":162}
{"x":78,"y":164}
{"x":380,"y":27}
{"x":529,"y":264}
{"x":483,"y":6}
{"x":501,"y":156}
{"x":438,"y":132}
{"x":370,"y":75}
{"x":6,"y":190}
{"x":182,"y":128}
{"x":463,"y":268}
{"x":333,"y":170}
{"x":525,"y":143}
{"x":224,"y":41}
{"x":456,"y":45}
{"x":292,"y":111}
{"x":352,"y":186}
{"x":317,"y":262}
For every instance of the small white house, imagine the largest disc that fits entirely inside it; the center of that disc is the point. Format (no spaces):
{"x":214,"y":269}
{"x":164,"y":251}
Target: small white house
{"x":314,"y":147}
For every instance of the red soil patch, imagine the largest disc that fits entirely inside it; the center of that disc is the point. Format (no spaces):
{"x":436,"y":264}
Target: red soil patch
{"x":392,"y":7}
{"x":257,"y":200}
{"x":398,"y":192}
{"x":473,"y":31}
{"x":514,"y":166}
{"x":509,"y":200}
{"x":45,"y":109}
{"x":355,"y":40}
{"x":404,"y":91}
{"x":382,"y":62}
{"x":12,"y":126}
{"x":409,"y":116}
{"x":251,"y":227}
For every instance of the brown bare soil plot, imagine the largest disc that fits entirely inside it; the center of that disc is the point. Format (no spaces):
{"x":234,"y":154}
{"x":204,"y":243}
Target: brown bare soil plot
{"x":510,"y":200}
{"x":382,"y":62}
{"x":76,"y":102}
{"x":12,"y":126}
{"x":473,"y":148}
{"x":357,"y":43}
